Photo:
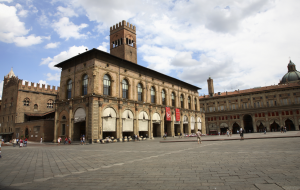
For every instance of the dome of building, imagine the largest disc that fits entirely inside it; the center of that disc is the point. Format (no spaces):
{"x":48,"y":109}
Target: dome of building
{"x":292,"y":75}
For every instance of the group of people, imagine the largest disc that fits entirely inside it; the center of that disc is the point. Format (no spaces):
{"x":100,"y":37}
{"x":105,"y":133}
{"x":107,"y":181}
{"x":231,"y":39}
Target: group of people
{"x":21,"y":142}
{"x":283,"y":129}
{"x":67,"y":140}
{"x":229,"y":132}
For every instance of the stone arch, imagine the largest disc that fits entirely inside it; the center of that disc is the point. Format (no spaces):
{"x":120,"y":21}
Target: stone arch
{"x":143,"y":121}
{"x":274,"y":120}
{"x":156,"y":117}
{"x":185,"y":119}
{"x":235,"y":128}
{"x":109,"y":116}
{"x":257,"y":123}
{"x":199,"y":123}
{"x":192,"y":123}
{"x":79,"y":115}
{"x":289,"y":124}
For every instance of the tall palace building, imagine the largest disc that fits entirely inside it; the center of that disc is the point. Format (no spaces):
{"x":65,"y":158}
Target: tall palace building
{"x":255,"y":109}
{"x":104,"y":94}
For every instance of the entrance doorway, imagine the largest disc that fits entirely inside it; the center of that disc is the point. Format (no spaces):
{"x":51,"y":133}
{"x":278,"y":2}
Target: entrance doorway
{"x":79,"y":130}
{"x":235,"y":128}
{"x":289,"y":125}
{"x":260,"y":128}
{"x":274,"y":127}
{"x":223,"y":130}
{"x":177,"y":129}
{"x":156,"y":130}
{"x":248,"y":123}
{"x":185,"y":128}
{"x":26,"y":133}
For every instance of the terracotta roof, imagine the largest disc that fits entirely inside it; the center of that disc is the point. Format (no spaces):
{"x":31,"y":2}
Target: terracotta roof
{"x":254,"y":90}
{"x":39,"y":114}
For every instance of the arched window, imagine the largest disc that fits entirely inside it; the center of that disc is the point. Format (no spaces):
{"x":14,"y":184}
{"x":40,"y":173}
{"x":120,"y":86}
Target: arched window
{"x":173,"y":99}
{"x":163,"y":97}
{"x":50,"y":104}
{"x":124,"y":88}
{"x":195,"y":104}
{"x":152,"y":95}
{"x":35,"y":107}
{"x":26,"y":102}
{"x":181,"y":101}
{"x":189,"y":102}
{"x":69,"y":89}
{"x":85,"y":81}
{"x":106,"y":85}
{"x":64,"y":117}
{"x":140,"y":92}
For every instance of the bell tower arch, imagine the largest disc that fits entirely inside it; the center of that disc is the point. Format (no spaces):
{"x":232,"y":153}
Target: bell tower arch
{"x":123,"y":41}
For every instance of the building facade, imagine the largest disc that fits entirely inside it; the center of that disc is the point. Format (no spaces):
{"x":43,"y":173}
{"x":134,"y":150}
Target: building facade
{"x":106,"y":94}
{"x":22,"y":106}
{"x":255,"y":109}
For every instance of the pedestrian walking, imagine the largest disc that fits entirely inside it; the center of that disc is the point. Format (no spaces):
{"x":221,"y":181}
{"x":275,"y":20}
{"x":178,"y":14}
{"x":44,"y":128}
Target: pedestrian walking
{"x":199,"y":136}
{"x":83,"y":140}
{"x":69,"y":140}
{"x":25,"y":142}
{"x":265,"y":130}
{"x":14,"y":142}
{"x":41,"y":140}
{"x":58,"y":140}
{"x":285,"y":129}
{"x":227,"y":133}
{"x":21,"y":143}
{"x":66,"y":140}
{"x":17,"y":141}
{"x":242,"y":134}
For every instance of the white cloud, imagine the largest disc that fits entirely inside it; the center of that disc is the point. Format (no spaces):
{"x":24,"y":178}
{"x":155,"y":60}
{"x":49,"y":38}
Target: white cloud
{"x":66,"y":12}
{"x":29,"y":40}
{"x":43,"y":20}
{"x":55,"y":77}
{"x":12,"y":30}
{"x":62,"y":56}
{"x":67,"y":29}
{"x":103,"y":46}
{"x":42,"y":82}
{"x":23,"y":13}
{"x":9,"y":1}
{"x":52,"y":45}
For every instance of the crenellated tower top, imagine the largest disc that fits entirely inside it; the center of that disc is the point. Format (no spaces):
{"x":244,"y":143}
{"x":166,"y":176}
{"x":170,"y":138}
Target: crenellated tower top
{"x":123,"y":41}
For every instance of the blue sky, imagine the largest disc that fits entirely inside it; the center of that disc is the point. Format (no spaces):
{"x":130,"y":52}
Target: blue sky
{"x":240,"y":44}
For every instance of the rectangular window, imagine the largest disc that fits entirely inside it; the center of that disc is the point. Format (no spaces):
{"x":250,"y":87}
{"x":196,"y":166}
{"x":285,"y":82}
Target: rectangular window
{"x":63,"y":129}
{"x":222,"y":108}
{"x":211,"y":109}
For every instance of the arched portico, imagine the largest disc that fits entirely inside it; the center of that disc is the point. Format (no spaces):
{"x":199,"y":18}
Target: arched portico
{"x":143,"y":124}
{"x":156,"y":121}
{"x":248,"y":123}
{"x":223,"y":128}
{"x":109,"y":122}
{"x":235,"y":128}
{"x":127,"y":123}
{"x":79,"y":127}
{"x":289,"y":125}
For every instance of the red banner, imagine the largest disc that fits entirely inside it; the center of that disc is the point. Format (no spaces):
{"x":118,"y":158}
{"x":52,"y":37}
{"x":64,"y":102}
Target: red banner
{"x":168,"y":114}
{"x":177,"y":114}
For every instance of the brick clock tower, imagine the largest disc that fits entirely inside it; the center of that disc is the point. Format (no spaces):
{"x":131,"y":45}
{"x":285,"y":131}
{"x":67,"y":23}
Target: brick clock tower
{"x":123,"y":41}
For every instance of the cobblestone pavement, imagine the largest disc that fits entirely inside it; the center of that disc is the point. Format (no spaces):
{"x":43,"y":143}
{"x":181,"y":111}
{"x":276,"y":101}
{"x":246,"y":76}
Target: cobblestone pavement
{"x":249,"y":164}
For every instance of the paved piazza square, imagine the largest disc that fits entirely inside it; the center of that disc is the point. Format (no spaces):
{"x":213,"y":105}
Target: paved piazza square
{"x":271,"y":163}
